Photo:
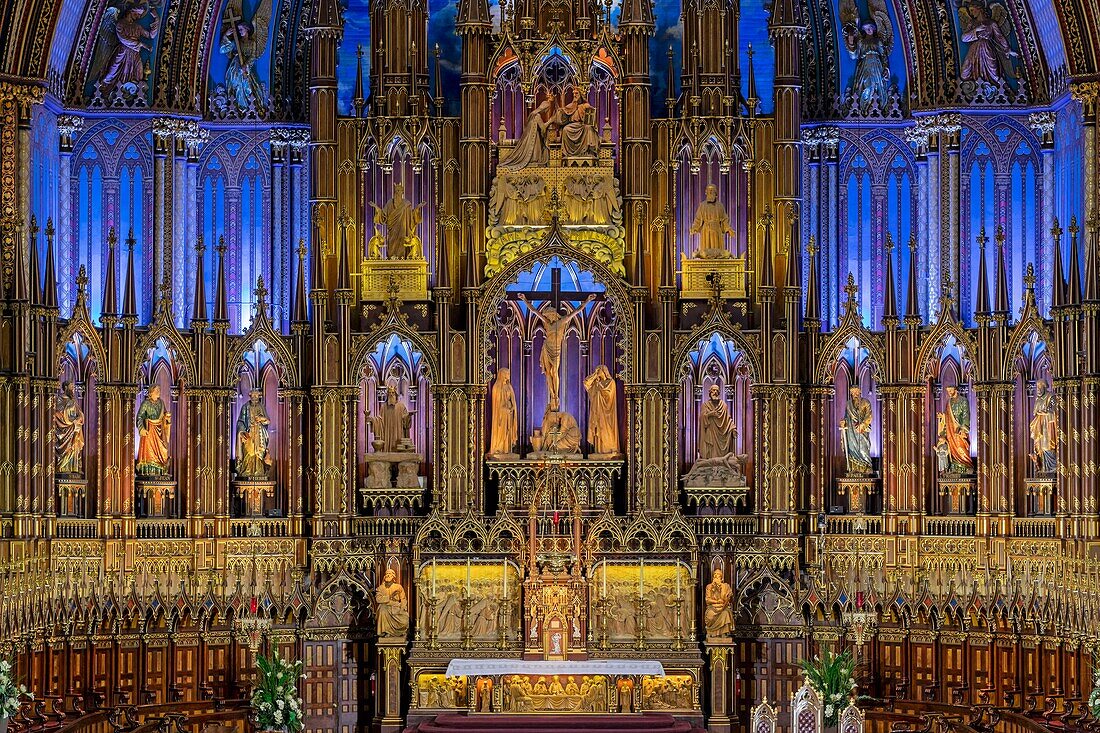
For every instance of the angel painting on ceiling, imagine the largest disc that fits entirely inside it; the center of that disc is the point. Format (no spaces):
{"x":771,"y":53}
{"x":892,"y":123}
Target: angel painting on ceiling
{"x":986,"y":27}
{"x":124,"y":40}
{"x":244,"y":41}
{"x":869,"y":41}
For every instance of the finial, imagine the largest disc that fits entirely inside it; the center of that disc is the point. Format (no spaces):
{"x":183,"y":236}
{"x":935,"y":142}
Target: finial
{"x":1055,"y":229}
{"x":165,"y":291}
{"x":912,"y":243}
{"x":220,"y":249}
{"x":344,"y":220}
{"x":1073,"y":228}
{"x":260,"y":292}
{"x":999,"y":237}
{"x":851,"y":288}
{"x":889,"y":242}
{"x":301,"y":248}
{"x":34,"y":226}
{"x":981,"y":238}
{"x":811,"y":246}
{"x":82,"y":281}
{"x":130,"y":241}
{"x":1029,"y":276}
{"x":112,"y":238}
{"x":200,"y":247}
{"x":50,"y":231}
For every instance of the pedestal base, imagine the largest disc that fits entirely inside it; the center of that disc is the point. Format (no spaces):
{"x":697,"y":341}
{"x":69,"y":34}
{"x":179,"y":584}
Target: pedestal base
{"x":253,"y":493}
{"x":157,"y":494}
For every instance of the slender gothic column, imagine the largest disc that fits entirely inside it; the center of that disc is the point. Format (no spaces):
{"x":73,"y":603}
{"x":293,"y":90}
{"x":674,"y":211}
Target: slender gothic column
{"x":1088,"y":94}
{"x":949,"y":127}
{"x":68,"y":126}
{"x":830,"y":244}
{"x":164,"y":146}
{"x":787,"y":33}
{"x":474,"y":26}
{"x":1043,"y":123}
{"x":194,"y":137}
{"x":278,"y":224}
{"x":918,"y":138}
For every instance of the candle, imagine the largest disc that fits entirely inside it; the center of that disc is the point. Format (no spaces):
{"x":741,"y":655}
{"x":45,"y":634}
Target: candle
{"x":641,"y":579}
{"x":467,"y":577}
{"x":433,"y":577}
{"x":604,"y":580}
{"x":677,"y":580}
{"x":504,"y":569}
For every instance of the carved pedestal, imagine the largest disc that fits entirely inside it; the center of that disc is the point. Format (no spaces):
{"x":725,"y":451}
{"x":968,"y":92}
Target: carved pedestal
{"x":698,"y":278}
{"x":722,"y":710}
{"x":957,"y":495}
{"x":382,"y":279}
{"x":157,"y":495}
{"x":252,"y":493}
{"x":857,"y":491}
{"x":388,"y":712}
{"x":71,"y":495}
{"x":1040,"y":497}
{"x":392,"y":481}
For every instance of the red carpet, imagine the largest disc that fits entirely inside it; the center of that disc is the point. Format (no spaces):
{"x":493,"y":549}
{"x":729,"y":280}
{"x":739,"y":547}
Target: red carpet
{"x":648,"y":722}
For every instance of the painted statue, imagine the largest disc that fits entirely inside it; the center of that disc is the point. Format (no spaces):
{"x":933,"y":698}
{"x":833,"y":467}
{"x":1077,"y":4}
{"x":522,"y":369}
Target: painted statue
{"x":391,"y":424}
{"x":532,"y":148}
{"x":717,"y":430}
{"x":154,"y":424}
{"x":579,"y":137}
{"x":855,"y":428}
{"x":953,"y":438}
{"x":393,"y":607}
{"x":244,"y":42}
{"x":68,"y":428}
{"x":1044,"y":430}
{"x":869,"y":42}
{"x":505,"y":427}
{"x":554,"y":326}
{"x":125,"y":36}
{"x":401,"y":218}
{"x":603,"y":413}
{"x":986,"y":27}
{"x":718,"y":617}
{"x":253,"y":438}
{"x":711,"y":224}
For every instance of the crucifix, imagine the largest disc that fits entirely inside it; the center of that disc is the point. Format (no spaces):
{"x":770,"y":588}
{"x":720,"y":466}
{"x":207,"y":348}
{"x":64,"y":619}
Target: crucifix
{"x":555,"y":325}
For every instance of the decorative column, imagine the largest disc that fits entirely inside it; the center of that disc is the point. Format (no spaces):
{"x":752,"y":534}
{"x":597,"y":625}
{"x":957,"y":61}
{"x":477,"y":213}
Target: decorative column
{"x":787,"y":33}
{"x":723,"y":706}
{"x":829,"y":244}
{"x":68,"y":126}
{"x":194,"y":137}
{"x":949,"y":127}
{"x":813,"y":216}
{"x":1088,"y":94}
{"x":16,"y":102}
{"x":636,"y":25}
{"x":1043,"y":123}
{"x":164,"y":146}
{"x":917,"y":136}
{"x":279,"y":227}
{"x":475,"y":27}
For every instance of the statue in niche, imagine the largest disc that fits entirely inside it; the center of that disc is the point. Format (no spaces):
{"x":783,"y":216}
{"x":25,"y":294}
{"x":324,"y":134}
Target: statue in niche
{"x":554,"y":325}
{"x":953,"y":435}
{"x":711,"y":224}
{"x":559,"y":433}
{"x":68,"y":427}
{"x":718,"y":617}
{"x":154,"y":424}
{"x":244,"y":42}
{"x":401,"y":218}
{"x":391,"y":425}
{"x":986,"y":27}
{"x":603,"y":414}
{"x":532,"y":148}
{"x":505,"y":428}
{"x":393,"y":607}
{"x":253,"y":438}
{"x":626,"y":695}
{"x":717,"y":430}
{"x":375,"y":243}
{"x":576,"y":123}
{"x":869,"y":42}
{"x":855,"y":428}
{"x":124,"y":36}
{"x":1044,"y":430}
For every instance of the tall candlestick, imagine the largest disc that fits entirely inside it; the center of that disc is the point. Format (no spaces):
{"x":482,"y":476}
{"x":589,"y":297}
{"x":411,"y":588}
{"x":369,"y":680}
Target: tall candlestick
{"x":677,"y":580}
{"x":504,"y":569}
{"x":605,"y":580}
{"x":433,"y":576}
{"x":467,"y":577}
{"x":641,"y":579}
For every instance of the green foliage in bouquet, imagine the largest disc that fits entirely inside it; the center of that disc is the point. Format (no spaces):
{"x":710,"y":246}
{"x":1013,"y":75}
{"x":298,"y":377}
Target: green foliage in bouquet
{"x":1094,"y":696}
{"x":830,"y":675}
{"x":275,"y":700}
{"x":12,"y":693}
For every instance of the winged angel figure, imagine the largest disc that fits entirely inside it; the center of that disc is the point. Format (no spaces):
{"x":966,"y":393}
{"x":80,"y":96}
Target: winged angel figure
{"x":244,"y":42}
{"x":986,"y":27}
{"x":869,"y":42}
{"x":126,"y":33}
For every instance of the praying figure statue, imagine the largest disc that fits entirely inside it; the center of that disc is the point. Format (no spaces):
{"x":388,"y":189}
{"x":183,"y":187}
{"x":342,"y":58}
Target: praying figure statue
{"x":393,"y":607}
{"x":154,"y":424}
{"x":401,"y":219}
{"x":532,"y":148}
{"x":711,"y":224}
{"x":391,"y":425}
{"x":718,"y":617}
{"x":603,"y":414}
{"x":253,"y":437}
{"x":554,"y":325}
{"x":1044,"y":430}
{"x":856,"y":431}
{"x":68,"y":427}
{"x":505,"y":427}
{"x":717,"y":430}
{"x":953,"y":435}
{"x":559,"y":433}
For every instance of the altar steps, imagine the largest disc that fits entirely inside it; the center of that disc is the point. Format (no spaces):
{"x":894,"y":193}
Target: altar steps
{"x":645,"y":723}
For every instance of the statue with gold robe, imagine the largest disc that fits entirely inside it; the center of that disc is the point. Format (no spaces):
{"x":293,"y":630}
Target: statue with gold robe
{"x":505,"y":426}
{"x":68,"y":428}
{"x":1044,"y":430}
{"x":393,"y":607}
{"x":253,"y":438}
{"x":603,"y":414}
{"x":718,"y":617}
{"x":154,"y":424}
{"x":401,"y":219}
{"x":953,"y":435}
{"x":391,"y":425}
{"x":712,"y":223}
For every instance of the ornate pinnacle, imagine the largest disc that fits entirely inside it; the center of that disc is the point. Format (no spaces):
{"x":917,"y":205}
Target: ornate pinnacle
{"x":260,"y":292}
{"x":981,"y":238}
{"x":1073,"y":228}
{"x":165,"y":293}
{"x":344,"y":220}
{"x":999,"y":237}
{"x":1029,"y":277}
{"x":851,"y":289}
{"x":50,"y":231}
{"x":34,"y":226}
{"x":912,"y":243}
{"x":200,"y":247}
{"x":301,"y":248}
{"x":82,"y":281}
{"x":1056,"y":230}
{"x":130,"y":241}
{"x":221,"y":248}
{"x":889,"y":242}
{"x":811,"y":246}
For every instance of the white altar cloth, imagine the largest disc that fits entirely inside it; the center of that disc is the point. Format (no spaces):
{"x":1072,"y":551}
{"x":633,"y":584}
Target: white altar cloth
{"x":468,"y":667}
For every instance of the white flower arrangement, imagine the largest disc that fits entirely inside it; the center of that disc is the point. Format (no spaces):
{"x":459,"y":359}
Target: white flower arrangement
{"x":12,"y":694}
{"x":1094,"y":696}
{"x":275,"y":700}
{"x":831,"y":677}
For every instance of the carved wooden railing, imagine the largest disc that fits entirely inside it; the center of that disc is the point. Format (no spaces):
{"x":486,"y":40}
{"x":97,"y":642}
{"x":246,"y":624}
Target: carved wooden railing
{"x":161,"y":529}
{"x":77,"y":529}
{"x":1041,"y":527}
{"x":741,"y":526}
{"x":49,"y":714}
{"x":949,"y":526}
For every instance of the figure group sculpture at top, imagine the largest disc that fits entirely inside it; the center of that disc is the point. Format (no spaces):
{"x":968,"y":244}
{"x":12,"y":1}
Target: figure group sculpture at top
{"x":572,"y":122}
